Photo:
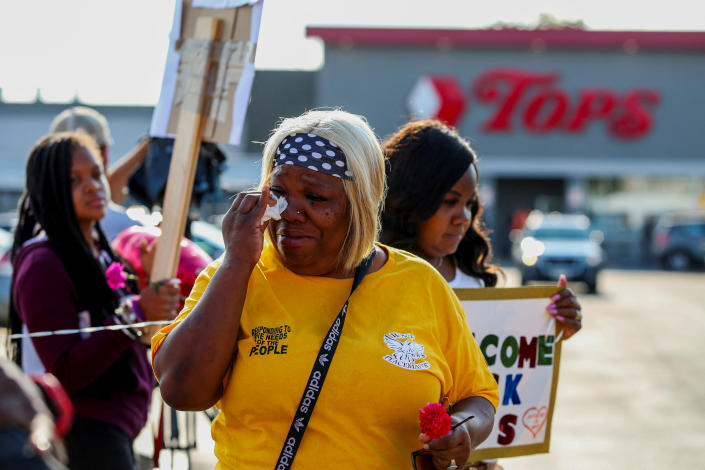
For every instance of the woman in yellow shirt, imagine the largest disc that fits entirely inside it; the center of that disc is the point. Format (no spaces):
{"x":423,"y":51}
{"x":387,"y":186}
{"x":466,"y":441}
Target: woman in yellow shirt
{"x":260,"y":317}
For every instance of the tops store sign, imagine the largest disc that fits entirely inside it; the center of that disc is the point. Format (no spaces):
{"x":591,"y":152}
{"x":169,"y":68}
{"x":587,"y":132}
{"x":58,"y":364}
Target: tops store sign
{"x":537,"y":102}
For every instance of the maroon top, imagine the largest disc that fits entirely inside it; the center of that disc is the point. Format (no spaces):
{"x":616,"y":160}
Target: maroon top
{"x":107,"y":374}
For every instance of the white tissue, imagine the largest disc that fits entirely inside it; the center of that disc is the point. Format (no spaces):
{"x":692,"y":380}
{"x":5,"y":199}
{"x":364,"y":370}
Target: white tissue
{"x":275,"y":212}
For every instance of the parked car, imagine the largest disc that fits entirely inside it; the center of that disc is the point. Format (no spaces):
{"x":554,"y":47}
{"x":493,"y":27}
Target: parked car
{"x":553,"y":244}
{"x":8,"y":220}
{"x":678,"y":240}
{"x":208,"y":237}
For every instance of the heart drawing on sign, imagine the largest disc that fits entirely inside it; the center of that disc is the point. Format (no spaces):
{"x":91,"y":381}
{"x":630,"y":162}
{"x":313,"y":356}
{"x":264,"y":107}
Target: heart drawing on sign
{"x":534,"y":419}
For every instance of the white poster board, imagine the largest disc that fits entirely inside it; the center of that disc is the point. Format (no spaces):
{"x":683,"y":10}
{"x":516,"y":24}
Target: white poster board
{"x":231,"y":83}
{"x":516,"y":335}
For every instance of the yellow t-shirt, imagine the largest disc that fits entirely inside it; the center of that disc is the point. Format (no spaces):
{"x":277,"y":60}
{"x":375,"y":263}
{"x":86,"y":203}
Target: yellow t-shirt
{"x":405,"y":343}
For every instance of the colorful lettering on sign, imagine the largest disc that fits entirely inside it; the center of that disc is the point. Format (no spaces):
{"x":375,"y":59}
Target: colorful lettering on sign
{"x":534,"y":419}
{"x":521,"y":352}
{"x":511,"y":393}
{"x":537,"y":351}
{"x":543,"y":107}
{"x":506,"y":429}
{"x":535,"y":101}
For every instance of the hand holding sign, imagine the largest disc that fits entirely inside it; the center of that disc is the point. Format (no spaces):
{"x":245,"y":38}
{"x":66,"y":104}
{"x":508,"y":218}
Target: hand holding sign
{"x":564,"y":307}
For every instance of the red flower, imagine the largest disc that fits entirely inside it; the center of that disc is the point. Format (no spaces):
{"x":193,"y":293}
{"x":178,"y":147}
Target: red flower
{"x":116,"y":275}
{"x":434,"y":420}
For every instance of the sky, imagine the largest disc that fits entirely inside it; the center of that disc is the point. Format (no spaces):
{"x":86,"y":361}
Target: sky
{"x":113,"y":52}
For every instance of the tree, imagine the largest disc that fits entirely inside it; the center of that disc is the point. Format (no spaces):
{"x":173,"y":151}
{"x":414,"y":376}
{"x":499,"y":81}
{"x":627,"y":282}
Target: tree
{"x":545,"y":21}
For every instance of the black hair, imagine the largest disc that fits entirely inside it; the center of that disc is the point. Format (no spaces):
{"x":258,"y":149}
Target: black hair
{"x":47,"y":205}
{"x":424,"y":159}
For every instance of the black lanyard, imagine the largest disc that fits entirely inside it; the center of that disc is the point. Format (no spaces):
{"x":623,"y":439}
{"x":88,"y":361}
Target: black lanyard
{"x":318,"y":375}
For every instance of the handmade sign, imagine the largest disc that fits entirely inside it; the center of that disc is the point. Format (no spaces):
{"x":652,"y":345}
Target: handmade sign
{"x":228,"y":79}
{"x":206,"y":88}
{"x":518,"y":339}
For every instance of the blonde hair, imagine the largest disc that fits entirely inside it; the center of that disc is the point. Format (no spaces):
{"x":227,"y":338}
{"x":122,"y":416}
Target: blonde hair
{"x":86,"y":119}
{"x":353,"y":135}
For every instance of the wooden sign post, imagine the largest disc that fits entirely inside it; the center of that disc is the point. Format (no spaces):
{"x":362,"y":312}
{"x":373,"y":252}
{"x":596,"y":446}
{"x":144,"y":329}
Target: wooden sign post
{"x":207,"y":82}
{"x":182,"y":170}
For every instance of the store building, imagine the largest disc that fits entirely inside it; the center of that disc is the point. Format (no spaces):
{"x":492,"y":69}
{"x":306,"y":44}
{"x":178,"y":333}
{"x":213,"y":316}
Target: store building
{"x":605,"y":123}
{"x":610,"y":123}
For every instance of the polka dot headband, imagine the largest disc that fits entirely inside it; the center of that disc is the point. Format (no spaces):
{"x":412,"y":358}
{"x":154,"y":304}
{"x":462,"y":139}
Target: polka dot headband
{"x":313,"y":152}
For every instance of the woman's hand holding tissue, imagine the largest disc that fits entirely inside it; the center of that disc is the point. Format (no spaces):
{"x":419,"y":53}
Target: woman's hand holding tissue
{"x":244,"y":225}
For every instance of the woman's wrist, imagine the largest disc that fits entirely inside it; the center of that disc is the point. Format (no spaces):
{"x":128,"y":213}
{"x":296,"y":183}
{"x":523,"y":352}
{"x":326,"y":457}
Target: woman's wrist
{"x":127,"y":314}
{"x":234,"y":265}
{"x":480,"y":426}
{"x":463,"y":422}
{"x":137,"y":308}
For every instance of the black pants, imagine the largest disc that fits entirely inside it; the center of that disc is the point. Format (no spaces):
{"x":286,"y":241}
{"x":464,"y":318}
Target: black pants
{"x":93,"y":444}
{"x":14,"y":456}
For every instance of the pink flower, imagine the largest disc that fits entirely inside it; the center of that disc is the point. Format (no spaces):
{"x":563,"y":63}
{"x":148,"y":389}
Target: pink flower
{"x":434,"y":420}
{"x":116,"y":275}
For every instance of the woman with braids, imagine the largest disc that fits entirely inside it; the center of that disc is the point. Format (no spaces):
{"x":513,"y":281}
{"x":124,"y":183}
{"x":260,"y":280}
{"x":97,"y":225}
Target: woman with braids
{"x":432,"y":210}
{"x":60,"y":255}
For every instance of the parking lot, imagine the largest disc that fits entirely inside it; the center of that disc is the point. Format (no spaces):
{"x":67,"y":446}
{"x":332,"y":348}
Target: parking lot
{"x":631,"y":393}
